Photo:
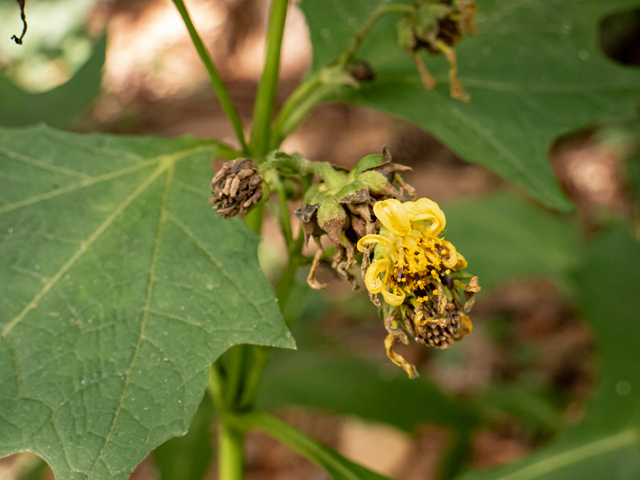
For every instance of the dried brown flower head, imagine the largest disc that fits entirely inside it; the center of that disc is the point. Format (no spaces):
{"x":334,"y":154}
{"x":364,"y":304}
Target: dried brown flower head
{"x":236,"y":188}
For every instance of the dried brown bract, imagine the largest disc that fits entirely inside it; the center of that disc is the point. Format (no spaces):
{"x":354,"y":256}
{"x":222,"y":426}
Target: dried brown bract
{"x":340,"y":206}
{"x":436,"y":26}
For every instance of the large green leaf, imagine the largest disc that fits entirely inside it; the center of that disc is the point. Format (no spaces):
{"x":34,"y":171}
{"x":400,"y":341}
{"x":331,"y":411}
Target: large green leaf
{"x":57,"y":107}
{"x":534,"y":71}
{"x":606,"y":444}
{"x":504,"y":237}
{"x":119,"y":288}
{"x":348,"y":385}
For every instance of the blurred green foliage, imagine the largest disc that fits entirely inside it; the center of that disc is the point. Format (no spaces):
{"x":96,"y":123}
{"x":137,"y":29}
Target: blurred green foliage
{"x":57,"y":107}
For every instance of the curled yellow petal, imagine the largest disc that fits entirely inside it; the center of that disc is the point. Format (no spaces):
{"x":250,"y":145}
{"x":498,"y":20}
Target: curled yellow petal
{"x":372,"y":281}
{"x":465,"y":325}
{"x":461,"y":263}
{"x":382,"y":240}
{"x":425,"y":209}
{"x":450,"y":256}
{"x":393,"y":216}
{"x":399,"y":360}
{"x":393,"y":299}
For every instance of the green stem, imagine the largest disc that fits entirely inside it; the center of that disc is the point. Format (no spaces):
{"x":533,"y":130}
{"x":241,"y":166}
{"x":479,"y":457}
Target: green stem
{"x":346,"y":58}
{"x":314,"y":90}
{"x":215,"y":386}
{"x":283,"y":290}
{"x":230,"y":455}
{"x":292,"y":114}
{"x":254,"y":219}
{"x":234,"y":366}
{"x":287,"y":434}
{"x":254,"y":376}
{"x":218,"y":85}
{"x":292,"y":103}
{"x":285,"y":220}
{"x":287,"y":280}
{"x":267,"y":88}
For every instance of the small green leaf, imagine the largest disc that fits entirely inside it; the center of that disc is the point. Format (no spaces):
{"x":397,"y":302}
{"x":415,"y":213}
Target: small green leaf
{"x":534,"y":71}
{"x":339,"y":467}
{"x":606,"y":443}
{"x":59,"y":106}
{"x":504,"y":237}
{"x":119,"y":287}
{"x":352,"y":386}
{"x":364,"y":164}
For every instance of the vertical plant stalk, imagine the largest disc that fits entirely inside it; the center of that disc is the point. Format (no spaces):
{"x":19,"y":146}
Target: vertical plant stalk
{"x":230,"y":452}
{"x":314,"y":90}
{"x":268,"y":86}
{"x":291,"y":436}
{"x":218,"y":85}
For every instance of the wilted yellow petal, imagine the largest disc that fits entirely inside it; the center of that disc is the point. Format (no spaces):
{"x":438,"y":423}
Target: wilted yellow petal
{"x":450,"y":258}
{"x":384,"y":241}
{"x":425,"y":209}
{"x":395,"y":300}
{"x":461,"y":263}
{"x":393,"y":216}
{"x":399,"y":360}
{"x":372,"y":281}
{"x":465,"y":325}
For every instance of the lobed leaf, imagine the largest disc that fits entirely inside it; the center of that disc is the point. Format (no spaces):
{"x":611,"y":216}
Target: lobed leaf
{"x":606,"y":444}
{"x":534,"y":71}
{"x":59,"y":106}
{"x":504,"y":237}
{"x":120,"y":287}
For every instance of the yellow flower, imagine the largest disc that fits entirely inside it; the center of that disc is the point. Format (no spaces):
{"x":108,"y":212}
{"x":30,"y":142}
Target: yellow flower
{"x":413,"y":268}
{"x":410,"y":260}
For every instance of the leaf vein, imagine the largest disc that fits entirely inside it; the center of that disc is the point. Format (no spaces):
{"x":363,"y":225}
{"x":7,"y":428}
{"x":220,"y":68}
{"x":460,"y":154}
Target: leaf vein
{"x":84,"y":246}
{"x":145,"y":315}
{"x":216,"y":262}
{"x":43,"y":165}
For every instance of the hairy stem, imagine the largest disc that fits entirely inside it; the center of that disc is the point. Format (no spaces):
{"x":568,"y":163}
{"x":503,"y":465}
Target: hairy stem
{"x":218,"y":85}
{"x":267,"y":88}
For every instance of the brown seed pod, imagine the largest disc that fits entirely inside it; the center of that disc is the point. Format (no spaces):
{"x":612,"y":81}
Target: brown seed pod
{"x":236,"y":188}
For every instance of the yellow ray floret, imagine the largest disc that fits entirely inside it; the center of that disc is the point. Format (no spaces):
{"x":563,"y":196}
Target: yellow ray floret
{"x":410,"y":259}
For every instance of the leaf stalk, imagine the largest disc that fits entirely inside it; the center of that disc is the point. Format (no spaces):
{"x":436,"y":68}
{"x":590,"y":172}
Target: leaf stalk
{"x":218,"y":85}
{"x":268,"y":86}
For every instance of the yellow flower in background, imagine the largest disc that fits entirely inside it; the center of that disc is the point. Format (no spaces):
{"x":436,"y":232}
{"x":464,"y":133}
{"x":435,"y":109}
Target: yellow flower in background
{"x":410,"y":260}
